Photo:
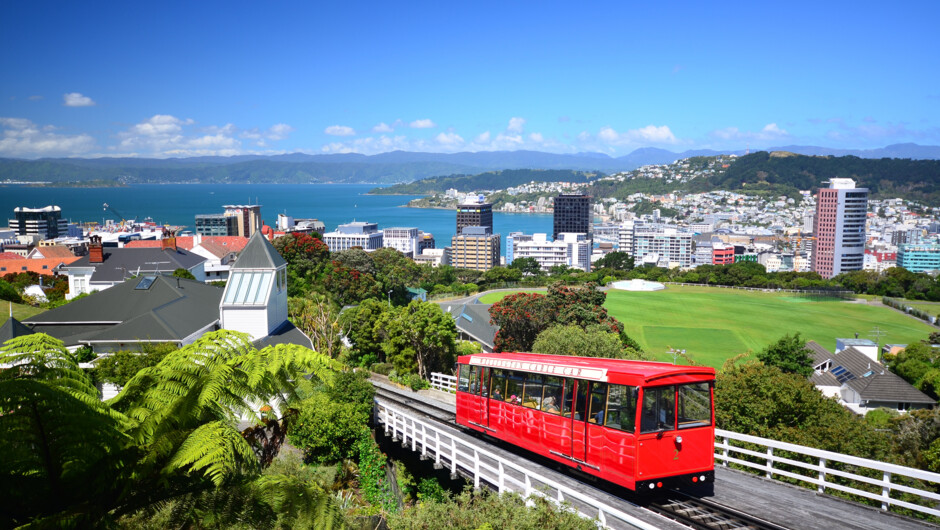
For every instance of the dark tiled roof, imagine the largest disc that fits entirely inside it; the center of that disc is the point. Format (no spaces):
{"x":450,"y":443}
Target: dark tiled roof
{"x":474,"y":320}
{"x":287,"y":333}
{"x":872,"y":380}
{"x":259,"y":253}
{"x":120,"y":263}
{"x":13,"y":328}
{"x":817,"y":352}
{"x":170,"y":309}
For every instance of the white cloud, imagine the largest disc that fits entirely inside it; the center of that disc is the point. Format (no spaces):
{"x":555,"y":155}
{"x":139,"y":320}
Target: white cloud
{"x":516,"y":125}
{"x":74,"y":99}
{"x":482,"y":138}
{"x":449,"y":139}
{"x":23,"y":138}
{"x":536,"y":137}
{"x":279,"y":131}
{"x":651,"y":134}
{"x":339,"y":130}
{"x":422,"y":124}
{"x":164,"y":135}
{"x":382,"y":128}
{"x":769,"y":132}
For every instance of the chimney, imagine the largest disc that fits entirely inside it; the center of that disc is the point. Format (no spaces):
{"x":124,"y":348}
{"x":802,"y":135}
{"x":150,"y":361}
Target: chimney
{"x":169,"y":243}
{"x":95,"y":253}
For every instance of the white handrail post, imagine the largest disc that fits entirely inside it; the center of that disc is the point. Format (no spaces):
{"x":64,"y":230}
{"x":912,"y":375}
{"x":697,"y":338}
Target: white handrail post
{"x":437,"y":447}
{"x":476,"y":470}
{"x":822,"y":475}
{"x":770,"y":462}
{"x":501,"y":480}
{"x":453,"y":457}
{"x":414,"y":436}
{"x":727,"y":451}
{"x":424,"y":442}
{"x":528,"y":491}
{"x":886,"y":491}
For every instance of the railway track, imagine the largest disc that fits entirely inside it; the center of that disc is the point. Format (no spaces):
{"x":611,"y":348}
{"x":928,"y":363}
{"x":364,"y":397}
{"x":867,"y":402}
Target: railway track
{"x":706,"y":515}
{"x":685,"y":509}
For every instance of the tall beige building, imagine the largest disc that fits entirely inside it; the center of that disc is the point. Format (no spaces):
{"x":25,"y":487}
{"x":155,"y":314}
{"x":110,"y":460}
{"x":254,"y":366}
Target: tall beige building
{"x":249,"y":218}
{"x":476,"y":247}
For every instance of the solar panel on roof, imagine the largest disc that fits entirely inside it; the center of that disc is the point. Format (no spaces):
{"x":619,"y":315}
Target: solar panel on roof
{"x":842,"y":375}
{"x":145,"y":283}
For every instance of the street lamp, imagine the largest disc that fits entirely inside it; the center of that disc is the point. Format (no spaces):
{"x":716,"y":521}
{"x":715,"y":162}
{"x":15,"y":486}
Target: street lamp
{"x":390,"y":297}
{"x":675,"y":353}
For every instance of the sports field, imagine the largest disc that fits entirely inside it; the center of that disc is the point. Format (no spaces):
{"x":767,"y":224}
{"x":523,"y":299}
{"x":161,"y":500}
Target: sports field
{"x":20,"y":311}
{"x":713,"y":324}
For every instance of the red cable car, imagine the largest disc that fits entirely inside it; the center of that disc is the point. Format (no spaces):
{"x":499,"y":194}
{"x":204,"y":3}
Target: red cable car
{"x":643,"y":425}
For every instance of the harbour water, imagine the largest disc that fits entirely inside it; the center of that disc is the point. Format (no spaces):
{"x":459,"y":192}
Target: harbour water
{"x":178,"y":204}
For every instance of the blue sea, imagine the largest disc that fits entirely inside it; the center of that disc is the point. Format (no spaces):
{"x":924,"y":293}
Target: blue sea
{"x":334,"y":204}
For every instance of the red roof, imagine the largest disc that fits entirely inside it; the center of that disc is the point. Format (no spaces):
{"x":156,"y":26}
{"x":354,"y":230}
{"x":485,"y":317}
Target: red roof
{"x":233,"y":243}
{"x":41,"y":266}
{"x":9,"y":255}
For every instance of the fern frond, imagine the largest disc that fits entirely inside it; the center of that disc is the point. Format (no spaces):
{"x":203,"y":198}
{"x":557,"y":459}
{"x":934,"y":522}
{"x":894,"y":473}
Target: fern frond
{"x":214,"y":449}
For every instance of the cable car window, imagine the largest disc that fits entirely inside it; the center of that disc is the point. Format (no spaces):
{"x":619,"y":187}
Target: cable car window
{"x":498,"y":382}
{"x":474,"y":380}
{"x":695,"y":405}
{"x":514,"y":387}
{"x":598,"y":403}
{"x":551,"y":395}
{"x":463,"y":378}
{"x":532,"y":394}
{"x":659,"y":409}
{"x":485,"y":381}
{"x":621,"y":408}
{"x":576,"y":407}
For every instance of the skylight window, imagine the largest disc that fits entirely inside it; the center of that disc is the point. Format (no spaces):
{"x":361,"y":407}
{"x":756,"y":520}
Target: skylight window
{"x":248,"y":288}
{"x":145,"y":283}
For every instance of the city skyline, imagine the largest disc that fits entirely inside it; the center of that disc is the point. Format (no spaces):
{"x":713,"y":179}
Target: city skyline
{"x":225,"y":79}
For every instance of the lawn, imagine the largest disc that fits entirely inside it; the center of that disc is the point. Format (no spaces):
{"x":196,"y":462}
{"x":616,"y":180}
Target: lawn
{"x":713,"y":324}
{"x":20,"y":311}
{"x":492,"y":298}
{"x":931,"y":308}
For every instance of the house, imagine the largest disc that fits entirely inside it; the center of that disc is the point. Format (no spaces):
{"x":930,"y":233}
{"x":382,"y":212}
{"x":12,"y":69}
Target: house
{"x":13,"y":328}
{"x":50,"y":252}
{"x":44,"y":266}
{"x":473,"y":323}
{"x":860,"y":383}
{"x":161,"y":308}
{"x":104,"y":268}
{"x":220,"y":251}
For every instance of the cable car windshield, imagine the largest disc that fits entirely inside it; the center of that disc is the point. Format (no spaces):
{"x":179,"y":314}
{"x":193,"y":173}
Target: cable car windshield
{"x":659,"y":407}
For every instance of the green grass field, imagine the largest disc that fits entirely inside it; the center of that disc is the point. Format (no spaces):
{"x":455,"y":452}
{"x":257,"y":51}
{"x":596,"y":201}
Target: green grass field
{"x":931,"y":308}
{"x":492,"y":298}
{"x":714,"y":324}
{"x":20,"y":311}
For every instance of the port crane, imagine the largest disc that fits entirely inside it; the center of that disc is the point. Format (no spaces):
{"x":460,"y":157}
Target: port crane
{"x":109,"y":208}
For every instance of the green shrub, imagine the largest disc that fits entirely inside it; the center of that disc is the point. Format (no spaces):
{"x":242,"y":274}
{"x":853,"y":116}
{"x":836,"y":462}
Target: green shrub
{"x":473,"y":511}
{"x":354,"y":388}
{"x":119,"y":367}
{"x":412,"y":381}
{"x":372,"y":477}
{"x":382,"y":368}
{"x":326,"y":430}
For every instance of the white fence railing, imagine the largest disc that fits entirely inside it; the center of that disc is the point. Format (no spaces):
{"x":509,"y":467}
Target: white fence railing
{"x":450,"y":450}
{"x":819,"y":469}
{"x":444,"y":382}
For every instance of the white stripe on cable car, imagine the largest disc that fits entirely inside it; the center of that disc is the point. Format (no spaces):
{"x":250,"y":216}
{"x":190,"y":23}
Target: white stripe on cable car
{"x":561,"y":370}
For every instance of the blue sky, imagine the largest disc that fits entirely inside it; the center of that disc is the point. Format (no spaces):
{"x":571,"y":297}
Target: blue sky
{"x":203,"y":78}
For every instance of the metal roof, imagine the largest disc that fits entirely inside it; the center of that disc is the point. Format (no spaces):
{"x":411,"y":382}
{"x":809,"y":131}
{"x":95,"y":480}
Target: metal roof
{"x":170,"y":309}
{"x":259,"y":253}
{"x":121,"y":263}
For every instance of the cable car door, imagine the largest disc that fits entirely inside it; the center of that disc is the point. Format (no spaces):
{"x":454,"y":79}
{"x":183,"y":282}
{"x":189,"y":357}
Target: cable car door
{"x":579,"y":421}
{"x":484,"y":402}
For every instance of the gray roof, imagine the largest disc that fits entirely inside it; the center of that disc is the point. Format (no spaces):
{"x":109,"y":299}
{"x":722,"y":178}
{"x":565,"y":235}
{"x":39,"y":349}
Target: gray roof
{"x":869,"y":378}
{"x":13,"y":328}
{"x":474,"y":320}
{"x":121,"y":263}
{"x":287,"y":333}
{"x":171,"y":309}
{"x":259,"y":253}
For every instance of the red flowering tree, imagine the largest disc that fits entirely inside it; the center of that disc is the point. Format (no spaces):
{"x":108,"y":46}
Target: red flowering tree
{"x":522,"y":316}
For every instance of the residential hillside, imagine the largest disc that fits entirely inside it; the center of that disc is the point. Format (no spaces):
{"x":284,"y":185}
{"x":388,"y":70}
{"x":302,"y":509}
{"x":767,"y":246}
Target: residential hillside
{"x":491,"y":180}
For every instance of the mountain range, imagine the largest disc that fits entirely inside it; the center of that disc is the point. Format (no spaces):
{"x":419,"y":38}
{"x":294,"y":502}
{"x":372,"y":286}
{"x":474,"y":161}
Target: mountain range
{"x":383,"y":168}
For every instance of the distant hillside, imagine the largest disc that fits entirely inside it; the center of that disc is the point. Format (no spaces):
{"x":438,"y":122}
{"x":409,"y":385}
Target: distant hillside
{"x":383,"y":168}
{"x":917,"y":180}
{"x":490,"y":180}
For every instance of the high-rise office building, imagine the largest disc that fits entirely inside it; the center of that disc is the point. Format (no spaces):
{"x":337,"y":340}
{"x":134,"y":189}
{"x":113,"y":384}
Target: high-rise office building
{"x":248,"y":218}
{"x":573,"y":214}
{"x":839,"y":227}
{"x":474,"y":211}
{"x":46,"y":223}
{"x":475,"y":247}
{"x":216,"y":224}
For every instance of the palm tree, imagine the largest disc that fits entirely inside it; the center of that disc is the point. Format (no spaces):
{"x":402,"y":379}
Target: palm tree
{"x":170,"y":435}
